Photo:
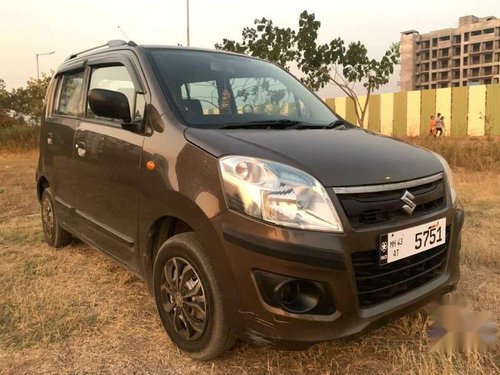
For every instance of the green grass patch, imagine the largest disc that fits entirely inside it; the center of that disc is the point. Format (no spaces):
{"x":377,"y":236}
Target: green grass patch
{"x":19,"y":137}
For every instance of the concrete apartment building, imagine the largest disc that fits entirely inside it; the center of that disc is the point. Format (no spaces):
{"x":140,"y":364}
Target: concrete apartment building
{"x":463,"y":56}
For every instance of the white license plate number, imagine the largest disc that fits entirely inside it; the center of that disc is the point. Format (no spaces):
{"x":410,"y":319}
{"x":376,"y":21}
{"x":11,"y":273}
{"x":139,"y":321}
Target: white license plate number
{"x":407,"y":242}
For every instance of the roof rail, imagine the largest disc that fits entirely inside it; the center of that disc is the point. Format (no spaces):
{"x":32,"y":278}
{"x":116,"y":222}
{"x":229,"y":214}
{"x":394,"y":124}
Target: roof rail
{"x":110,"y":44}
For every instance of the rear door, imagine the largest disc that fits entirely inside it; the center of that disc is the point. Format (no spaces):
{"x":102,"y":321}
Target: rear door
{"x":57,"y":141}
{"x":108,"y":160}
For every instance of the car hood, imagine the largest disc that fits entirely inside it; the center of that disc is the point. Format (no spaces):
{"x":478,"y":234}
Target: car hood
{"x":336,"y":157}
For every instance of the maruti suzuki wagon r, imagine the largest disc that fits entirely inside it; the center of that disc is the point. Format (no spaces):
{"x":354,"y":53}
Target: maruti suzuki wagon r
{"x":249,"y":208}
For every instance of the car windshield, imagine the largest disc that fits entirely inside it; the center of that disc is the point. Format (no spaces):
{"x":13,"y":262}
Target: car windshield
{"x":216,"y":90}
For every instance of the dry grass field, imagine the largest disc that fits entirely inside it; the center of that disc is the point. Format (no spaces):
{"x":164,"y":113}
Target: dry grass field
{"x":74,"y":311}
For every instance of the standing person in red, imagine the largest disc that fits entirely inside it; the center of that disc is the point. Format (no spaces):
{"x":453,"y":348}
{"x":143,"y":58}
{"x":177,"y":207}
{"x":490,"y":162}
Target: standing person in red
{"x":432,"y":127}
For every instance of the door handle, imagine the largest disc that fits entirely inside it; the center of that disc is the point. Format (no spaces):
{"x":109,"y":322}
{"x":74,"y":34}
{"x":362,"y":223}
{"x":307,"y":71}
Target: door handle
{"x":80,"y":148}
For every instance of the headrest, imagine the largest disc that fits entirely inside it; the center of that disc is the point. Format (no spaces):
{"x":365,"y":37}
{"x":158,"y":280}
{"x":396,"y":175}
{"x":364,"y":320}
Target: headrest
{"x":193,"y":106}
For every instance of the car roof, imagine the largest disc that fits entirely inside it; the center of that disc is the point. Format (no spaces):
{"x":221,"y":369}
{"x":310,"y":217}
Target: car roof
{"x":121,"y":45}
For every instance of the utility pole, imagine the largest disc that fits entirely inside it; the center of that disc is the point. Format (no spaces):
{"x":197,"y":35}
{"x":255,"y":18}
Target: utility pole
{"x":187,"y":13}
{"x":37,"y":66}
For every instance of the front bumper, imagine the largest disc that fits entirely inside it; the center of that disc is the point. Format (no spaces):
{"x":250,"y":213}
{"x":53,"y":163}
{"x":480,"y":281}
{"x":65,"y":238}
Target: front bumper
{"x":324,"y":257}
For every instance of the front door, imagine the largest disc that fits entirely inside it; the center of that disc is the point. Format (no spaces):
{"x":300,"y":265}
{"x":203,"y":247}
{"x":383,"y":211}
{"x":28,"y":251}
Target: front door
{"x":108,"y":161}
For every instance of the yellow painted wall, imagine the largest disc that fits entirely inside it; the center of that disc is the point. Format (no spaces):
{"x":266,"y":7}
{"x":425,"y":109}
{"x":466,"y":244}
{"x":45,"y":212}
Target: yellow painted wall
{"x":469,"y":110}
{"x":330,"y":102}
{"x":443,"y":106}
{"x":350,"y":114}
{"x":459,"y":110}
{"x":374,"y":114}
{"x":413,"y":113}
{"x":386,"y":113}
{"x":340,"y":106}
{"x":493,"y":109}
{"x":477,"y":109}
{"x":428,"y":108}
{"x":400,"y":109}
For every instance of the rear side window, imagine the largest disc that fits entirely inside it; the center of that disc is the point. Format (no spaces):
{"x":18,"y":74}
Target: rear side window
{"x":70,"y":94}
{"x":117,"y":78}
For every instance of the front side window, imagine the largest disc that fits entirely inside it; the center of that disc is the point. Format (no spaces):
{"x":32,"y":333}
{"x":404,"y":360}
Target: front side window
{"x":214,"y":90}
{"x":116,"y":78}
{"x":70,"y":94}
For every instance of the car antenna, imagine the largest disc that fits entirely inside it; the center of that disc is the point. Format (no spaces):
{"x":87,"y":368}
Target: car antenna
{"x":123,"y":32}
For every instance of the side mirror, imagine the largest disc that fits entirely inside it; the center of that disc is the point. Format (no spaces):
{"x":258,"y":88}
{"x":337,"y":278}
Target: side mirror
{"x":111,"y":104}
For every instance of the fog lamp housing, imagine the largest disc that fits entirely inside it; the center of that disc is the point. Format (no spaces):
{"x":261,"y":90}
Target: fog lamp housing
{"x":294,"y":295}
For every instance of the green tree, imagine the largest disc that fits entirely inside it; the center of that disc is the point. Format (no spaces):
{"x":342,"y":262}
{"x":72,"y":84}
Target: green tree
{"x":25,"y":101}
{"x":3,"y":92}
{"x":320,"y":64}
{"x":4,"y":96}
{"x":4,"y":104}
{"x":29,"y":100}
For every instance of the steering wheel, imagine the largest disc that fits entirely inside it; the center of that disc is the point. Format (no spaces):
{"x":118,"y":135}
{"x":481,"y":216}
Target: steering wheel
{"x":247,"y":108}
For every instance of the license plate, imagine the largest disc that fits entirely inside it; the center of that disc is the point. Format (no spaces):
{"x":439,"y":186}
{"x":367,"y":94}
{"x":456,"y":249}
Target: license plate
{"x":407,"y":242}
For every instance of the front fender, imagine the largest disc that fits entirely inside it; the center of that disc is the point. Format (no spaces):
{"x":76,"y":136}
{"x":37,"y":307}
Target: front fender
{"x":185,"y":185}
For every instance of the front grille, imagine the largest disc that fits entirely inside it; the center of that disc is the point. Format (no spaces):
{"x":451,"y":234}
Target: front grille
{"x":378,"y":283}
{"x":365,"y":209}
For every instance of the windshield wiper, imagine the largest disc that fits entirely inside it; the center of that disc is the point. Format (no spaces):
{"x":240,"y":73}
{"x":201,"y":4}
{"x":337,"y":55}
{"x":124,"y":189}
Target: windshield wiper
{"x":282,"y":124}
{"x":336,"y":124}
{"x":333,"y":125}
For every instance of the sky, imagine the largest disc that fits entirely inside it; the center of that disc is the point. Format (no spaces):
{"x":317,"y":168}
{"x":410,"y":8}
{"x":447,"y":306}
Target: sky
{"x":28,"y":27}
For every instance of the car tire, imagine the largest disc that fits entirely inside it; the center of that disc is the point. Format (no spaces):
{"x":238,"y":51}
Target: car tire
{"x":54,"y":234}
{"x":189,"y":298}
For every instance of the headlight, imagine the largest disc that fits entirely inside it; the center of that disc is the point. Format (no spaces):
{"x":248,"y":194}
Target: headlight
{"x":449,"y":176}
{"x":278,"y":194}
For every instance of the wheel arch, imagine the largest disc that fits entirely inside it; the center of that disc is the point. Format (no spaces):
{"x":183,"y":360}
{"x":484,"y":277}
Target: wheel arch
{"x":184,"y":215}
{"x":162,"y":229}
{"x":41,"y":184}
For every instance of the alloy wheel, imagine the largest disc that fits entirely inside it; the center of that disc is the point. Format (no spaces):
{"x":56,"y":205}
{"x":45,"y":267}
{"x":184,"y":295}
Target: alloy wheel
{"x":183,"y":298}
{"x":48,"y":218}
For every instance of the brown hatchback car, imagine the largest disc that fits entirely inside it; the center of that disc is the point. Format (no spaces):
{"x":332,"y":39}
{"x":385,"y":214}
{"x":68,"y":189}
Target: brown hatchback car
{"x":249,"y":208}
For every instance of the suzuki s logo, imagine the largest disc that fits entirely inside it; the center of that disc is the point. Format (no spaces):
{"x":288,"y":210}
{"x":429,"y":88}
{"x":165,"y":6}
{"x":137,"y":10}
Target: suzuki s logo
{"x":409,"y":205}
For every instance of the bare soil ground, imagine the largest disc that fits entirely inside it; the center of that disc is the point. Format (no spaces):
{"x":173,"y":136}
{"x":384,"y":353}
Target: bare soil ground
{"x":74,"y":311}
